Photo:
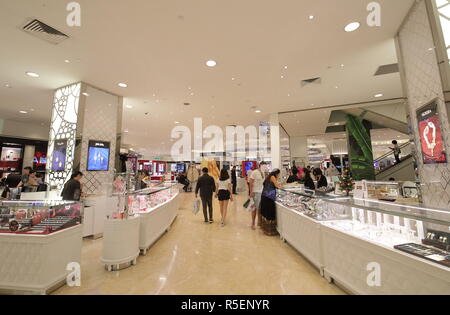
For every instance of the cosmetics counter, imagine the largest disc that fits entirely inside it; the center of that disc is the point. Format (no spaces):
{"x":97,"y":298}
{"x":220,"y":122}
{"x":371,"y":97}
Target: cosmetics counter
{"x":37,"y":242}
{"x":369,"y":246}
{"x":142,"y":218}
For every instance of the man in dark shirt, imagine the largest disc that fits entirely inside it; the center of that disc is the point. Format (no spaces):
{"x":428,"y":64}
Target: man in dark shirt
{"x":234,"y":179}
{"x":25,"y":177}
{"x":72,"y":189}
{"x":207,"y":187}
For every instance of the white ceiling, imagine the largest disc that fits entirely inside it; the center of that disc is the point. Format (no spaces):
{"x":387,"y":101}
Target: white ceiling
{"x":160,"y":47}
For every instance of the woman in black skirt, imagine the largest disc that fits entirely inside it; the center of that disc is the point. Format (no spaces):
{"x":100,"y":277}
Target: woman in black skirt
{"x":268,"y":208}
{"x":224,"y":194}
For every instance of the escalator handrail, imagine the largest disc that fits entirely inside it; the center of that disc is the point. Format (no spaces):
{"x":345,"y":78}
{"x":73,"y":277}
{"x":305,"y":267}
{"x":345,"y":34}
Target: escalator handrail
{"x":391,"y":152}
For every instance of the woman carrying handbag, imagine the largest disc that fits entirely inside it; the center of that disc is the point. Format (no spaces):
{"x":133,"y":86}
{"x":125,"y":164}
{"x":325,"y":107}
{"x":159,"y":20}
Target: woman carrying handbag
{"x":268,"y":207}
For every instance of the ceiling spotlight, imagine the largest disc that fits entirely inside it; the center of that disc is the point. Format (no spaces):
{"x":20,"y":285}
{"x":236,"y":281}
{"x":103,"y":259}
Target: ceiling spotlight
{"x":282,"y":76}
{"x":67,"y":61}
{"x":352,"y":27}
{"x":7,"y":85}
{"x":129,"y":106}
{"x":23,"y":112}
{"x":311,"y":17}
{"x":177,"y":122}
{"x":123,"y":85}
{"x":126,"y":131}
{"x":258,"y":111}
{"x":211,"y":63}
{"x":232,"y":79}
{"x":378,"y":95}
{"x":285,"y":67}
{"x":85,"y":94}
{"x":32,"y":74}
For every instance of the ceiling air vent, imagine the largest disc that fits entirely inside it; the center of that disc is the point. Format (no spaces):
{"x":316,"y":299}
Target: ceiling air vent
{"x":45,"y":32}
{"x":311,"y":81}
{"x":387,"y":69}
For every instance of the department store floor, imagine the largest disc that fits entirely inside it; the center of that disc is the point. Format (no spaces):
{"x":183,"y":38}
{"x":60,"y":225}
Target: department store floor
{"x":195,"y":258}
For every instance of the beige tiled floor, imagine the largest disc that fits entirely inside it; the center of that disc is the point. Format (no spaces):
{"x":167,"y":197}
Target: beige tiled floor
{"x":194,"y":258}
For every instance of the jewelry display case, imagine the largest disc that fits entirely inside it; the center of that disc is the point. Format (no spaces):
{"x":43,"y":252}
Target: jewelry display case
{"x":38,"y":239}
{"x":345,"y":237}
{"x":141,"y":217}
{"x":38,"y":217}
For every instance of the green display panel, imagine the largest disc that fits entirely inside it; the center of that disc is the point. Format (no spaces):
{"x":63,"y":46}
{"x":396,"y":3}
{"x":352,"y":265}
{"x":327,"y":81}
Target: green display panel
{"x":360,"y":149}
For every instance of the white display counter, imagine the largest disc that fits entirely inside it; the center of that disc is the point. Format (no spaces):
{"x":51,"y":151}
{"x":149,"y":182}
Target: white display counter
{"x":357,"y":252}
{"x":123,"y":240}
{"x":156,"y":222}
{"x":303,"y":233}
{"x":96,"y":209}
{"x":37,"y":263}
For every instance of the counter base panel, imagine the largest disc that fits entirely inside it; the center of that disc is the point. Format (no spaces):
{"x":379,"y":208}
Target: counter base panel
{"x":37,"y":264}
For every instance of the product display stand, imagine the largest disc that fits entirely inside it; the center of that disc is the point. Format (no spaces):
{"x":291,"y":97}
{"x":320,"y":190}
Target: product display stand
{"x":120,"y":243}
{"x":37,"y":263}
{"x":156,"y":222}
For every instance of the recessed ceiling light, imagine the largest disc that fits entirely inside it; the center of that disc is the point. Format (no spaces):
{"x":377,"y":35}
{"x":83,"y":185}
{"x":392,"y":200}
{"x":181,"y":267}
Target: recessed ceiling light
{"x":378,"y":95}
{"x":85,"y":94}
{"x":286,"y":67}
{"x":23,"y":112}
{"x":7,"y":85}
{"x":352,"y":27}
{"x":311,"y":17}
{"x":211,"y":63}
{"x":32,"y":74}
{"x":258,"y":111}
{"x":282,"y":76}
{"x":232,"y":79}
{"x":123,"y":85}
{"x":67,"y":61}
{"x":177,"y":122}
{"x":342,"y":65}
{"x":129,"y":106}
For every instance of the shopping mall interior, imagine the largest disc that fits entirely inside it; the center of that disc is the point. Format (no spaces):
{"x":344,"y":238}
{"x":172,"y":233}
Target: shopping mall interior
{"x":198,"y":147}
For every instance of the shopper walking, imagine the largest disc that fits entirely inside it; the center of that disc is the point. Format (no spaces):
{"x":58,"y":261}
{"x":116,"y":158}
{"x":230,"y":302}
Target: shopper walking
{"x":234,"y":179}
{"x":249,"y":175}
{"x":207,"y":188}
{"x":256,"y":188}
{"x":224,"y":194}
{"x":268,"y":208}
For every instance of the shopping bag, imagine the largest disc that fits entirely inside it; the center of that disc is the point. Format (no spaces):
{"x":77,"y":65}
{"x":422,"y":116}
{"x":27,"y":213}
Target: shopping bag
{"x":249,"y":205}
{"x":196,"y":206}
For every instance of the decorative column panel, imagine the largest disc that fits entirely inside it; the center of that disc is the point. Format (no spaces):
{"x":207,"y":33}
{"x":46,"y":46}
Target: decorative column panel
{"x":63,"y":128}
{"x":101,"y":122}
{"x":422,"y":83}
{"x":275,"y":144}
{"x":360,"y":149}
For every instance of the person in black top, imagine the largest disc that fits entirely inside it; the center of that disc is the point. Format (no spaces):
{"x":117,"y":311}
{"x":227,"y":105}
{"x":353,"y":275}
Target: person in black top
{"x":25,"y":177}
{"x":72,"y":189}
{"x":207,"y":187}
{"x":309,"y":183}
{"x":234,"y":179}
{"x":321,"y":180}
{"x":292,"y":177}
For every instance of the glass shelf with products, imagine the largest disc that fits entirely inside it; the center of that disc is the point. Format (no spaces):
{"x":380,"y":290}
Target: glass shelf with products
{"x":133,"y":203}
{"x":38,"y":217}
{"x":417,"y":230}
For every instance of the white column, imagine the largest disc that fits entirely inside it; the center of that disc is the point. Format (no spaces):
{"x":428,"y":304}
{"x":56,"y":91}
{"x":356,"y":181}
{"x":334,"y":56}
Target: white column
{"x":299,"y":150}
{"x":275,"y":141}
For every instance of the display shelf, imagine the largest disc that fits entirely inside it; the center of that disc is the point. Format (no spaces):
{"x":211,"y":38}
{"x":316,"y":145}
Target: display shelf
{"x":352,"y":235}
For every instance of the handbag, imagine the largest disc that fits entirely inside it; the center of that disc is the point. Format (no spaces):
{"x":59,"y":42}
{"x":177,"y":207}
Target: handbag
{"x":249,"y":205}
{"x":196,"y":206}
{"x":270,"y":192}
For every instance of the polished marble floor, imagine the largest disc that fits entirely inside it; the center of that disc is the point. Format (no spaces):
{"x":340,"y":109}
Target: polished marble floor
{"x":196,"y":258}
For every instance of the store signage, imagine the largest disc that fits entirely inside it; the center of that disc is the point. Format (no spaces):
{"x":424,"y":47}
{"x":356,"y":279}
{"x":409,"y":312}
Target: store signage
{"x":430,"y":132}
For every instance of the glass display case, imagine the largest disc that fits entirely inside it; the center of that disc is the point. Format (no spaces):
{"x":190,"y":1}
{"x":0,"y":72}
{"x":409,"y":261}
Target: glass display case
{"x":137,"y":202}
{"x":43,"y":217}
{"x":416,"y":230}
